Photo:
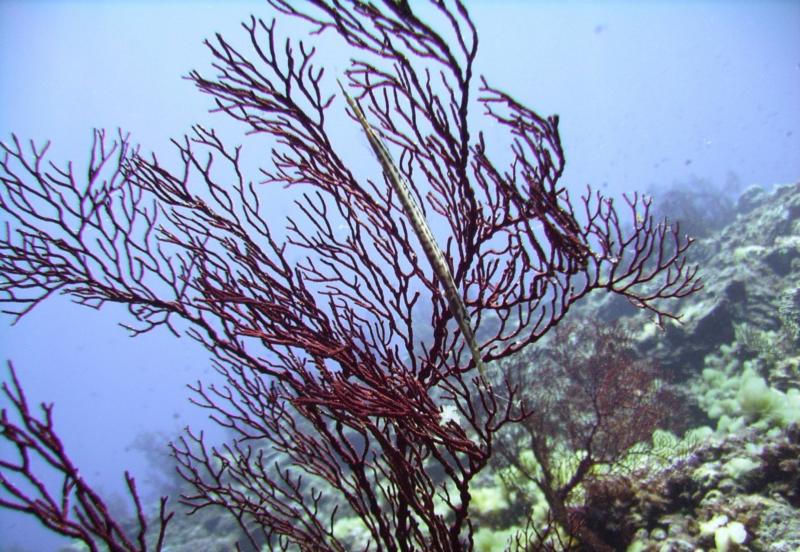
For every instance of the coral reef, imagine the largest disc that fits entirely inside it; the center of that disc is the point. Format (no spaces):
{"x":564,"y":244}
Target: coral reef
{"x":739,"y":490}
{"x":733,"y":486}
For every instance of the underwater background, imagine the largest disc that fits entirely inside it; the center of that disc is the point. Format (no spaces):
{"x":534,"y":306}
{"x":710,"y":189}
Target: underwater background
{"x":693,"y":102}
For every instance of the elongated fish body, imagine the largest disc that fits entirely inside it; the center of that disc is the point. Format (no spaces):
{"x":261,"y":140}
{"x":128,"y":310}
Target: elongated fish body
{"x":423,"y":232}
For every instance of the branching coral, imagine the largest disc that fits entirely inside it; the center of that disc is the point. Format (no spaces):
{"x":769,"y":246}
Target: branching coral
{"x":318,"y":335}
{"x":598,"y":402}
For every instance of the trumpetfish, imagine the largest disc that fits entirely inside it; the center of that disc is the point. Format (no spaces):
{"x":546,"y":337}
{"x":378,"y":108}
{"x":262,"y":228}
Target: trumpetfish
{"x":423,"y":232}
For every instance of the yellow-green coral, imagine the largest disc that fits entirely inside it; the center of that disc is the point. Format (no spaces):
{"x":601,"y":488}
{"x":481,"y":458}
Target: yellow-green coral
{"x":488,"y":540}
{"x":487,"y":500}
{"x":748,"y":396}
{"x":726,"y":533}
{"x":351,"y":530}
{"x":736,"y":394}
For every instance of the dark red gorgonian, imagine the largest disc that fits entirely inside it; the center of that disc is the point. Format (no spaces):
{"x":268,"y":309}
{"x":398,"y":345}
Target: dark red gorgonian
{"x":337,"y":343}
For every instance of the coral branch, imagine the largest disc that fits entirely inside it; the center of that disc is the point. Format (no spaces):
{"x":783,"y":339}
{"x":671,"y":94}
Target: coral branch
{"x":75,"y":510}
